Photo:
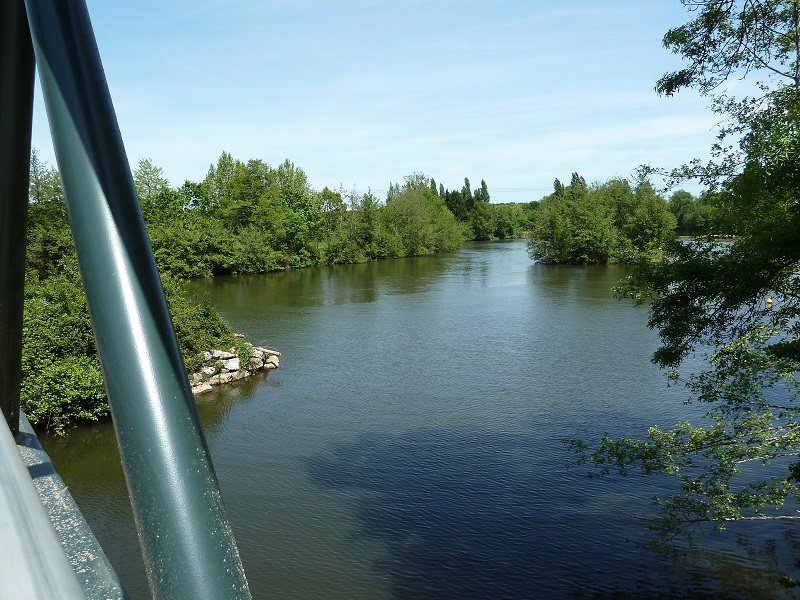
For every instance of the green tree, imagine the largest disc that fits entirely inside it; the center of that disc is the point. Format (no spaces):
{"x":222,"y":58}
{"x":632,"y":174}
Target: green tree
{"x":649,"y":225}
{"x":482,"y":221}
{"x":303,"y":220}
{"x":62,"y":384}
{"x":159,"y":202}
{"x":681,"y":204}
{"x":45,"y":182}
{"x":149,"y":179}
{"x":507,"y":221}
{"x":577,"y":184}
{"x":49,"y":235}
{"x":737,"y":305}
{"x":420,"y":221}
{"x":217,"y":182}
{"x":573,"y":228}
{"x":482,"y":195}
{"x":393,"y":191}
{"x":601,"y":223}
{"x":694,"y":216}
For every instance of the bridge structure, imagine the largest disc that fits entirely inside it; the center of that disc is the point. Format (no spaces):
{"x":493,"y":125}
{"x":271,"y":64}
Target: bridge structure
{"x":49,"y":550}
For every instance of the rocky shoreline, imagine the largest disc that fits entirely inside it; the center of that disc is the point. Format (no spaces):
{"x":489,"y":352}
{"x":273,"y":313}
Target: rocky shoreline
{"x":225,"y":366}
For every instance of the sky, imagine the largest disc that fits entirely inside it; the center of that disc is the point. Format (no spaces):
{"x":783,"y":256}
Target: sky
{"x":361,"y":93}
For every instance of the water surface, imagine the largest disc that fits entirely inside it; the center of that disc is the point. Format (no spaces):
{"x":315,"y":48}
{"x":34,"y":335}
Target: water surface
{"x":410,"y":444}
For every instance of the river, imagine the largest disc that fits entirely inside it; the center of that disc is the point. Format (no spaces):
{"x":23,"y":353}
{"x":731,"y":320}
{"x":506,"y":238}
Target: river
{"x":410,"y":445}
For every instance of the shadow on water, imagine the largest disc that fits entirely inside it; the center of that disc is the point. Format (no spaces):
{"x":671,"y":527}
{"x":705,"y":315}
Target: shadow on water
{"x":460,"y":516}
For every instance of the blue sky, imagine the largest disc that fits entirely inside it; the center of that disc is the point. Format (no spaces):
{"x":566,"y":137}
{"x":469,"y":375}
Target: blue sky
{"x":361,"y":93}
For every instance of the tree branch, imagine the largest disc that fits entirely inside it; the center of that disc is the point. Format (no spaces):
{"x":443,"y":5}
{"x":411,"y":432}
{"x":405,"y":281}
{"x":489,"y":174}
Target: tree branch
{"x":796,"y":17}
{"x":764,"y":63}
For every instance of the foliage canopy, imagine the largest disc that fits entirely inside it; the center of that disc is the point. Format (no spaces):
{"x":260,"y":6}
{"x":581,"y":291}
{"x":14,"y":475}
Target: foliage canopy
{"x":600,"y":223}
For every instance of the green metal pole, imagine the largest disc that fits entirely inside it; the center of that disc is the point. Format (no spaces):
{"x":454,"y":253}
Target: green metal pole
{"x":17,"y":69}
{"x":186,"y":539}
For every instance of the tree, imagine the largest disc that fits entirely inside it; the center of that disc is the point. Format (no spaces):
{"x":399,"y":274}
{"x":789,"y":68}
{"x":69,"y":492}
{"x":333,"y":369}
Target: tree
{"x":573,"y":228}
{"x":149,"y":180}
{"x":737,"y":305}
{"x":695,"y":216}
{"x":159,"y":202}
{"x":578,"y":184}
{"x":419,"y":222}
{"x":650,"y":224}
{"x":482,"y":195}
{"x":462,"y":203}
{"x":393,"y":191}
{"x":45,"y":182}
{"x":217,"y":182}
{"x":681,"y":204}
{"x":49,"y":235}
{"x":601,"y":223}
{"x":507,"y":222}
{"x":482,"y":221}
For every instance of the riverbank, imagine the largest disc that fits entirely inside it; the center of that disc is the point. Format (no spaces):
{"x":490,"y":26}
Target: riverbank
{"x":220,"y":367}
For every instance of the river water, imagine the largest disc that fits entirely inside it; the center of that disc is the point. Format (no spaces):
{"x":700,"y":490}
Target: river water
{"x":410,"y":445}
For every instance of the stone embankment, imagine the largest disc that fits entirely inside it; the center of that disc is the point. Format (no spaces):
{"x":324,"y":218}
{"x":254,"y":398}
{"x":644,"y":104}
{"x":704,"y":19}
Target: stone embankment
{"x":224,"y":366}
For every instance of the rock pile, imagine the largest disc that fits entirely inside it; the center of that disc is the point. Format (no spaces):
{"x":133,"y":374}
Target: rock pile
{"x":224,"y":366}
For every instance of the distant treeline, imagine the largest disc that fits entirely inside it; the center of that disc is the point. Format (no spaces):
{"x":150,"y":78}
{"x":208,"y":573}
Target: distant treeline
{"x":250,"y":217}
{"x":613,"y":221}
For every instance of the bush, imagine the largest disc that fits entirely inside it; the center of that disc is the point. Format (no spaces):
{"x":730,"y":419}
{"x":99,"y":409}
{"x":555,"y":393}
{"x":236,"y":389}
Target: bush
{"x":65,"y":393}
{"x":62,"y":384}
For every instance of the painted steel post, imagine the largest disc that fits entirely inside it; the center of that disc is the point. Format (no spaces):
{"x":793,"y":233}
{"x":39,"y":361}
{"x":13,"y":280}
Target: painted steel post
{"x":187,"y":543}
{"x":16,"y":110}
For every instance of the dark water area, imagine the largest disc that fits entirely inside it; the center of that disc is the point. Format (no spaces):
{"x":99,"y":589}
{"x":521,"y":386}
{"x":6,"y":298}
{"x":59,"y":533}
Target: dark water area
{"x":410,"y":445}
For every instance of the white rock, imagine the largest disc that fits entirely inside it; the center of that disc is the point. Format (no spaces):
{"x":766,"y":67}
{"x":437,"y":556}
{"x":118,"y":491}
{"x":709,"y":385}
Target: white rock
{"x":221,"y":378}
{"x":231,"y":364}
{"x":240,"y":375}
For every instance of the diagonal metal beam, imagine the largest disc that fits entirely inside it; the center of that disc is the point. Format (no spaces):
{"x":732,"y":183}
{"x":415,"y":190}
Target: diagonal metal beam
{"x":187,"y":543}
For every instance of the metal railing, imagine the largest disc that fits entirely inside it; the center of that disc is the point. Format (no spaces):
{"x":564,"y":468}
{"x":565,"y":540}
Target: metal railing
{"x":187,"y":543}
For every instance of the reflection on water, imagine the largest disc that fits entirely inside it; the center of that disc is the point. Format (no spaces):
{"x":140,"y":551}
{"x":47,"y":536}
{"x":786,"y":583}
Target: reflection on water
{"x":410,"y":444}
{"x":331,"y":285}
